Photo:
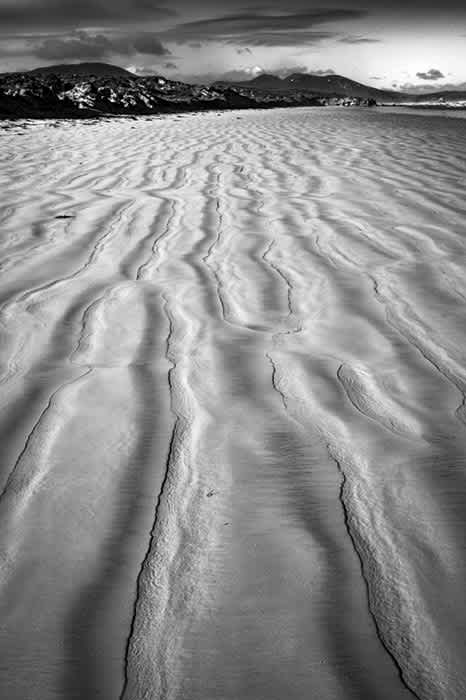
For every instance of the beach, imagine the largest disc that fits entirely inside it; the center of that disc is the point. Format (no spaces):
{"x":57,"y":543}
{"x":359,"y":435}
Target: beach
{"x":233,"y":406}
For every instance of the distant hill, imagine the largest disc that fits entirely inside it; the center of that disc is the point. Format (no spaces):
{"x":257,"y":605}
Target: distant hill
{"x":336,"y":86}
{"x":444,"y":95}
{"x":329,"y":85}
{"x":97,"y":69}
{"x":265,"y":81}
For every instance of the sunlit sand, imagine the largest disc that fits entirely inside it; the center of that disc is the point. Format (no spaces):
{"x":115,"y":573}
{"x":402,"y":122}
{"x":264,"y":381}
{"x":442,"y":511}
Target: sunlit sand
{"x":232,"y":409}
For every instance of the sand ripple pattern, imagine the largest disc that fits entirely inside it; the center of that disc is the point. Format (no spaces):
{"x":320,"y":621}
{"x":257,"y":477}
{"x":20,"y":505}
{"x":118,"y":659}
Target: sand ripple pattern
{"x":232,"y":409}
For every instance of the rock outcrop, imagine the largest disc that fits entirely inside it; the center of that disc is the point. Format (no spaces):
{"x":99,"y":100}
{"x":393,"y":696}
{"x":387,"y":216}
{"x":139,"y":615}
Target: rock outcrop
{"x":64,"y":94}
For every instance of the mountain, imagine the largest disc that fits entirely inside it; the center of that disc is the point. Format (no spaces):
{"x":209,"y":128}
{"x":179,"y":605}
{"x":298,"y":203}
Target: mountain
{"x":86,"y":90}
{"x":328,"y":85}
{"x":265,"y":81}
{"x":442,"y":96}
{"x":97,"y":69}
{"x":337,"y":86}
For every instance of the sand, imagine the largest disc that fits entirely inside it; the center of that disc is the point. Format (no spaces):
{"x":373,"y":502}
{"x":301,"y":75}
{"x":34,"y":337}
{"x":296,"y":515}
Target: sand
{"x":232,"y":408}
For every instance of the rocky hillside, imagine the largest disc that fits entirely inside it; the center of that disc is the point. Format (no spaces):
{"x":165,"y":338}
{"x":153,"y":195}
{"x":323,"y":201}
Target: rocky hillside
{"x":96,"y":69}
{"x":93,"y":90}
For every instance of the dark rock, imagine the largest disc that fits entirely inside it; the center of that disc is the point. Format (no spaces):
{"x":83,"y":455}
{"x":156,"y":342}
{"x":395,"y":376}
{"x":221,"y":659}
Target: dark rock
{"x":77,"y":94}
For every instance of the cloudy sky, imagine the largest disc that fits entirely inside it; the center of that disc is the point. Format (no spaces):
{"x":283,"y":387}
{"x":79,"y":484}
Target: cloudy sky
{"x":404,"y":44}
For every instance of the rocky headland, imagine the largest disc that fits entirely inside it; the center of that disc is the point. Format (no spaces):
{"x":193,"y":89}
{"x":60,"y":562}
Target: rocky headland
{"x":95,"y":89}
{"x":69,"y":93}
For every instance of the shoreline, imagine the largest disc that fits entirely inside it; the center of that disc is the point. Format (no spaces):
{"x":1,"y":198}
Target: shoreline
{"x":99,"y":116}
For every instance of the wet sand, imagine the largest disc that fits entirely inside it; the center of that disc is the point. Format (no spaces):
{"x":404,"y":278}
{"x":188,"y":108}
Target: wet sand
{"x":232,"y":408}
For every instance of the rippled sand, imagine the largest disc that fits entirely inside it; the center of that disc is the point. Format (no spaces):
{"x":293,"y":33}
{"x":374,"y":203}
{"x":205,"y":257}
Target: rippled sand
{"x":233,"y":407}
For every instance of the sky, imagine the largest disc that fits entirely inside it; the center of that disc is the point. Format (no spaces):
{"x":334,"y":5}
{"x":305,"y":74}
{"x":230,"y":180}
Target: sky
{"x":410,"y":44}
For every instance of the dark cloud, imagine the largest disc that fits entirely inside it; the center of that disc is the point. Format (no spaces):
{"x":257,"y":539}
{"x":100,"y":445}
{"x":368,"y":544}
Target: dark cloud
{"x":359,"y":40}
{"x":75,"y":13}
{"x":264,"y":28}
{"x":432,"y":74}
{"x":147,"y":43}
{"x":291,"y":38}
{"x":295,"y":5}
{"x":53,"y":29}
{"x":169,"y":65}
{"x":82,"y":45}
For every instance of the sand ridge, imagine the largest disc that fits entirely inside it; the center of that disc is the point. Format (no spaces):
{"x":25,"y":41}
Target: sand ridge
{"x":232,"y":410}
